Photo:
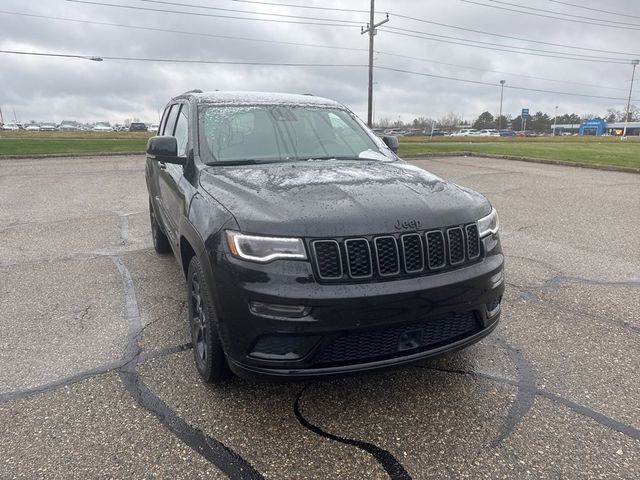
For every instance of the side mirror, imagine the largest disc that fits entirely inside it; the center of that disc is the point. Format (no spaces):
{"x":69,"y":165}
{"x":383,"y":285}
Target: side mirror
{"x":391,"y":142}
{"x":164,"y":149}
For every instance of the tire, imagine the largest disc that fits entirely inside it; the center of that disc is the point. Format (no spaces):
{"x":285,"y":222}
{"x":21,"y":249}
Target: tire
{"x":208,"y":353}
{"x":160,"y":241}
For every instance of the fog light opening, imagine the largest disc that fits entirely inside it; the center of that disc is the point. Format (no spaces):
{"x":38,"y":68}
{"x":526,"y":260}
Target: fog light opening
{"x":272,"y":310}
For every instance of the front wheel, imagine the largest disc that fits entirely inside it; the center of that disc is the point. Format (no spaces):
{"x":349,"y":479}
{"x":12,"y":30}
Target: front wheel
{"x":207,"y":350}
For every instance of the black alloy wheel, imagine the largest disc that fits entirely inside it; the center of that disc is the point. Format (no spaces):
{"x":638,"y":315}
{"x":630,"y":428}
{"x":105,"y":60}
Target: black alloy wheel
{"x":208,"y":354}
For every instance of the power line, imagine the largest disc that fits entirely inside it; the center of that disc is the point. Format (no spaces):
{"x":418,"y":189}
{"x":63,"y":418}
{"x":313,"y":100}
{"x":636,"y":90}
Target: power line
{"x":310,"y":45}
{"x":205,"y":7}
{"x":510,"y":37}
{"x":179,"y":60}
{"x":231,"y":17}
{"x":583,"y":7}
{"x":506,"y":48}
{"x":500,"y":72}
{"x":311,"y":7}
{"x":571,"y":15}
{"x":182,"y":32}
{"x":549,"y":16}
{"x":478,"y":82}
{"x":276,"y":64}
{"x":440,"y":24}
{"x":61,"y":55}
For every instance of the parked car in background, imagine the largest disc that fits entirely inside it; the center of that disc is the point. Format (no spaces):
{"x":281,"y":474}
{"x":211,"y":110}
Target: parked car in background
{"x":153,"y":127}
{"x":507,"y":133}
{"x":487,"y":132}
{"x":32,"y":127}
{"x":102,"y":127}
{"x":13,"y":127}
{"x":137,"y":127}
{"x":48,"y":127}
{"x":465,"y":132}
{"x":68,"y":126}
{"x":526,"y":133}
{"x":438,"y":133}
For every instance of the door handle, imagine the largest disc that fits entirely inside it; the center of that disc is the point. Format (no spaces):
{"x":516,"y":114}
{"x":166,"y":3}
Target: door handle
{"x":163,"y":165}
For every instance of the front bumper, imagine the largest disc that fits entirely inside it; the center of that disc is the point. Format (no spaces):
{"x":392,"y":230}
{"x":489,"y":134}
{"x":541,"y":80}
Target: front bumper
{"x":350,"y":328}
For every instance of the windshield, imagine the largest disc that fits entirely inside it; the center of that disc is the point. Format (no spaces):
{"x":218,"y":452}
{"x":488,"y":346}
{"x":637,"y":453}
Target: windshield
{"x":270,"y":133}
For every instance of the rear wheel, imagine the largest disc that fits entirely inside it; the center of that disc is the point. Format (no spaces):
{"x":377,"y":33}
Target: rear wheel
{"x":203,"y":319}
{"x":160,"y":240}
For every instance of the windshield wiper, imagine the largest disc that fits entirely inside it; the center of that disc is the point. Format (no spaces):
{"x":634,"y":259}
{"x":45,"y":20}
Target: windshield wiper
{"x":248,"y":161}
{"x":310,"y":159}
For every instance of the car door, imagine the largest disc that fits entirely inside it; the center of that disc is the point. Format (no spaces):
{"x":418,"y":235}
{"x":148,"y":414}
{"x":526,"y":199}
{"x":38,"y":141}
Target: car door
{"x":172,"y":182}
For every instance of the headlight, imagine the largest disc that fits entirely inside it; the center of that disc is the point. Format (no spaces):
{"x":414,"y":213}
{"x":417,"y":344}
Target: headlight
{"x":488,"y":224}
{"x":265,"y":249}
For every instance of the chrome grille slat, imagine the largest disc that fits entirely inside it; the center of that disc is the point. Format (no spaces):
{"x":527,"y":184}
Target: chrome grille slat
{"x":436,"y":250}
{"x":359,"y":262}
{"x":473,"y":241}
{"x":328,"y":259}
{"x":455,"y":244}
{"x":387,"y":255}
{"x":412,"y":252}
{"x":397,"y":255}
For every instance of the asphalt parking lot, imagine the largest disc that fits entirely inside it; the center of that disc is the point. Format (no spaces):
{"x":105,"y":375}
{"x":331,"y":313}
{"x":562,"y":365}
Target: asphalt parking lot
{"x":97,"y":378}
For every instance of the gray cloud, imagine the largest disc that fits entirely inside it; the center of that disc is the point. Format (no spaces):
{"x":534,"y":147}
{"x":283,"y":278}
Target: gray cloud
{"x":55,"y":89}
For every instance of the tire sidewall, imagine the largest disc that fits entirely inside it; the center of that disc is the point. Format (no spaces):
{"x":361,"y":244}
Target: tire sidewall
{"x":214,"y":368}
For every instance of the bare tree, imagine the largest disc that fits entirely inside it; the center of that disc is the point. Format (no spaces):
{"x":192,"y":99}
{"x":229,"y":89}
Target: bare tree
{"x":450,"y":121}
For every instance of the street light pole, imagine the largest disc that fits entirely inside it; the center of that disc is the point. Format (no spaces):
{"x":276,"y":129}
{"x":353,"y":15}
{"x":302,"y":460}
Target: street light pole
{"x":502,"y":82}
{"x":555,"y":120}
{"x":633,"y":73}
{"x":371,"y":30}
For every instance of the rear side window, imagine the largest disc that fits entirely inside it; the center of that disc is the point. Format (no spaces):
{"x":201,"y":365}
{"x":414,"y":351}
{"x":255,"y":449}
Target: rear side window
{"x":182,"y":131}
{"x":171,"y":121}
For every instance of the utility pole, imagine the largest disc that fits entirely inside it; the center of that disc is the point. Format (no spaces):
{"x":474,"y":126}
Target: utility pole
{"x":635,"y":64}
{"x":502,"y":82}
{"x":371,"y":30}
{"x":1,"y":117}
{"x":555,"y":120}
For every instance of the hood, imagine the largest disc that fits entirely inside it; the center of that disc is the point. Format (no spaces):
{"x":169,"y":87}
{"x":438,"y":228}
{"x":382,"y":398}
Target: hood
{"x":331,"y":198}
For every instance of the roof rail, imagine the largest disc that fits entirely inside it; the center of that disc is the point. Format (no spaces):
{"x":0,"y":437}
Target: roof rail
{"x":196,"y":90}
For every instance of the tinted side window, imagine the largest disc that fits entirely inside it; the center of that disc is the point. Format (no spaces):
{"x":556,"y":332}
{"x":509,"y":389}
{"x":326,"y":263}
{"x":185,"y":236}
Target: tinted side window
{"x":163,"y":121}
{"x":182,"y":131}
{"x":171,"y":121}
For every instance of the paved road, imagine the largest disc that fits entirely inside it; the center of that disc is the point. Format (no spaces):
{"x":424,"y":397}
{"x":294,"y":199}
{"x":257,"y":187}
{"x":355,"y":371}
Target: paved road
{"x":97,"y":378}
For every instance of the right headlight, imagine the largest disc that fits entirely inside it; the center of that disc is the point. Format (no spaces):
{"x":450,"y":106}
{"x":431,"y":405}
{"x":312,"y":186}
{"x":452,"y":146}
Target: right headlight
{"x":489,"y":224}
{"x":265,"y":249}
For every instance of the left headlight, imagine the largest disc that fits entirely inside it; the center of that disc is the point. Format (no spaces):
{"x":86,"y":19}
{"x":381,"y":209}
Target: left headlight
{"x":489,"y":224}
{"x":265,"y":249}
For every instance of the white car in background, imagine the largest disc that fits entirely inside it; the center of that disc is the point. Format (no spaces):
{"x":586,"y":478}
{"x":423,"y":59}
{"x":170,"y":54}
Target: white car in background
{"x":10,"y":127}
{"x":465,"y":132}
{"x":102,"y":127}
{"x":48,"y":127}
{"x":487,"y":132}
{"x":153,"y":127}
{"x":32,"y":127}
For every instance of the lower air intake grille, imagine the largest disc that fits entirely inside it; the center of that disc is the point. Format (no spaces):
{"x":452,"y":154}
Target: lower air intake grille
{"x":390,"y":342}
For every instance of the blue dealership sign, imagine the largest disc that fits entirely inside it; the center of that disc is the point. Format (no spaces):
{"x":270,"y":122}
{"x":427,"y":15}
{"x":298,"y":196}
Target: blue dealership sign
{"x":525,"y":113}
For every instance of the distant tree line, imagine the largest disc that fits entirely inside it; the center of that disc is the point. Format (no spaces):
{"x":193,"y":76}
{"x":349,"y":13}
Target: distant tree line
{"x":538,"y":122}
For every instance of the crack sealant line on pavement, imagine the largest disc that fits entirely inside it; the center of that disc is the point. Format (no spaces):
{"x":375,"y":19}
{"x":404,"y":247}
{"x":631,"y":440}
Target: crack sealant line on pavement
{"x":391,"y":465}
{"x":228,"y":461}
{"x":525,"y":397}
{"x":600,"y":418}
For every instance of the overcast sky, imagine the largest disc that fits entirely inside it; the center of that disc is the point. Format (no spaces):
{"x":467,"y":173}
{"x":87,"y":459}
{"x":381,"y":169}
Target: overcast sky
{"x":54,"y":89}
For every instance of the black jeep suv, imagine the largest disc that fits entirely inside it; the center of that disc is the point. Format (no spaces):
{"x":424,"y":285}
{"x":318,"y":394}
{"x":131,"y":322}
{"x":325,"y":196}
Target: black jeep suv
{"x":309,"y":248}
